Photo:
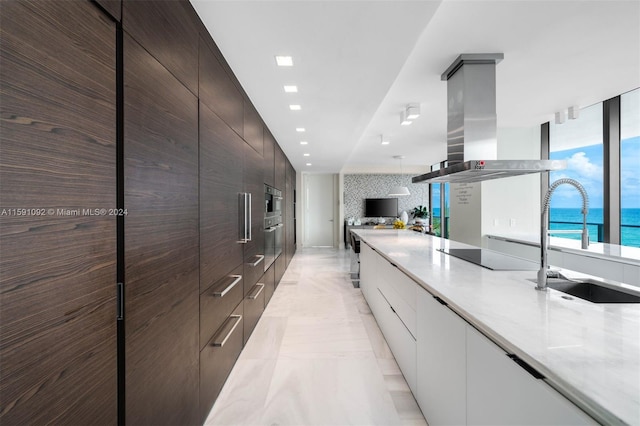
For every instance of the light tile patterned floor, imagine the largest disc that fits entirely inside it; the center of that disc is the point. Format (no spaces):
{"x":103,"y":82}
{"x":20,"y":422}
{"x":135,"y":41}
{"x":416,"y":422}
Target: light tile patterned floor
{"x":316,"y":357}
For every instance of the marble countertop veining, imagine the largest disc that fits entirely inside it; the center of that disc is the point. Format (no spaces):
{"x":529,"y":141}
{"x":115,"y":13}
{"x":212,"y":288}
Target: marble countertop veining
{"x":589,"y":352}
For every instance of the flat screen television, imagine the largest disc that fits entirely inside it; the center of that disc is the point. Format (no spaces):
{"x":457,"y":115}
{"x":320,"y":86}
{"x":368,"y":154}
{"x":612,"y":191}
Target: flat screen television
{"x":381,"y":207}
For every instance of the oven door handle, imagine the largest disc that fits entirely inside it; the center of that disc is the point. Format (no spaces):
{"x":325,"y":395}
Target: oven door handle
{"x":271,"y":229}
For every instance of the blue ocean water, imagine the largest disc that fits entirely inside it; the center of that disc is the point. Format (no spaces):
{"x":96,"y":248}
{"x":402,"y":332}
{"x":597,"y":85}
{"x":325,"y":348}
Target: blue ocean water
{"x":629,"y":232}
{"x":629,"y":221}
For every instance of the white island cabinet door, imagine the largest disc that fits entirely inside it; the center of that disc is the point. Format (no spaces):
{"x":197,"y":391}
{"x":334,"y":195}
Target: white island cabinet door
{"x":441,"y":363}
{"x":367,"y":271}
{"x":501,"y":392}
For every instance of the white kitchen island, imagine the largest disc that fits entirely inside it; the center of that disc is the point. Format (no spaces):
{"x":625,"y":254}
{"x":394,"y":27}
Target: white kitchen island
{"x":484,"y":347}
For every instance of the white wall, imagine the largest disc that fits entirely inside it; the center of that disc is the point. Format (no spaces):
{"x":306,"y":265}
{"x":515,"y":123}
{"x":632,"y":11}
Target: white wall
{"x":511,"y":206}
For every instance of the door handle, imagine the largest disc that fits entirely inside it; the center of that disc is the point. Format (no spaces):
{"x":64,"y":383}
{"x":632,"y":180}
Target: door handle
{"x":261,"y":258}
{"x":255,"y":296}
{"x":227,"y":326}
{"x":250,"y":217}
{"x":229,"y":287}
{"x":244,"y":237}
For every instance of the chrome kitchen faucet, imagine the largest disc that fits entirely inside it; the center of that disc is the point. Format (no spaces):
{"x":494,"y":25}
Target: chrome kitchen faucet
{"x":543,"y":274}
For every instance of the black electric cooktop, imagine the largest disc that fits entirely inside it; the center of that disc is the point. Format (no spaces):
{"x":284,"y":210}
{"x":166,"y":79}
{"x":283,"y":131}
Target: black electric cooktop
{"x":492,"y":259}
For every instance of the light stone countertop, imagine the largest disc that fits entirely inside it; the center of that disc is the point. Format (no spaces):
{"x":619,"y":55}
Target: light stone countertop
{"x":589,"y":352}
{"x":614,"y":252}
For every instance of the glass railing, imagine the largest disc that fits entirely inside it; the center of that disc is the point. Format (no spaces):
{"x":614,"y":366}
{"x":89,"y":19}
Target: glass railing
{"x":630,"y":233}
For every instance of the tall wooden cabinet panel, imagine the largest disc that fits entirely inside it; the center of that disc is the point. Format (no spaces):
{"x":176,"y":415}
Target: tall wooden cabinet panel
{"x":254,"y":249}
{"x":290,"y":213}
{"x":58,"y":265}
{"x":253,"y":128}
{"x":161,"y":243}
{"x":221,"y":182}
{"x":218,"y":92}
{"x":280,"y":171}
{"x":269,"y":158}
{"x":166,"y":29}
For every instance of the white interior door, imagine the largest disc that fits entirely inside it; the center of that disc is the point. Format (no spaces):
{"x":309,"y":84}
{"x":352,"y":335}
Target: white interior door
{"x":319,"y":200}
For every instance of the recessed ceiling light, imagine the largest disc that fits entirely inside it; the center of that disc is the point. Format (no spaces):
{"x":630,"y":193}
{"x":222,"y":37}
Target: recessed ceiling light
{"x":300,"y":129}
{"x":308,"y":164}
{"x":403,"y":119}
{"x":303,"y":142}
{"x":385,"y":142}
{"x":284,"y":61}
{"x":306,"y":155}
{"x":295,"y":107}
{"x":413,"y":111}
{"x":291,"y":89}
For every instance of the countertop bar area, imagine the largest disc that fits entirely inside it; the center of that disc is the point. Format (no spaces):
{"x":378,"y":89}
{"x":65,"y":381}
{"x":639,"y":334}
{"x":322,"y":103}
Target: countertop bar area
{"x":588,"y":352}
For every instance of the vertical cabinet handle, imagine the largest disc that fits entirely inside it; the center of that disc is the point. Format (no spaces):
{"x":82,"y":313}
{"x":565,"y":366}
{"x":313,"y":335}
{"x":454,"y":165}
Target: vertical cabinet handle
{"x":250,"y":217}
{"x":218,"y":343}
{"x":246,"y":205}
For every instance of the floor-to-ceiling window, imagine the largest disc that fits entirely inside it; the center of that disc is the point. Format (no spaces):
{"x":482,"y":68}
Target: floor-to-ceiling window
{"x":579,"y":142}
{"x":630,"y":168}
{"x":439,"y":218}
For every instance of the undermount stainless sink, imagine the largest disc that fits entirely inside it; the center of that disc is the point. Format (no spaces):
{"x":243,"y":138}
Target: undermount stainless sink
{"x":592,"y":292}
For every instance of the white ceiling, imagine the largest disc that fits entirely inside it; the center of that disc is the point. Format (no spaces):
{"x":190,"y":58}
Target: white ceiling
{"x":358,"y":63}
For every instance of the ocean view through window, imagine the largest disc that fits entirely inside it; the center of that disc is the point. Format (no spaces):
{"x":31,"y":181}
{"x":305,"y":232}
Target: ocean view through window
{"x":630,"y":168}
{"x":580,"y":143}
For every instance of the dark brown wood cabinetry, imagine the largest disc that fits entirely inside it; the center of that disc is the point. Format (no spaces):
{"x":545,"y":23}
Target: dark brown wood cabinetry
{"x":217,"y":303}
{"x":280,"y":168}
{"x":253,"y":128}
{"x":218,"y":92}
{"x":112,"y":7}
{"x":289,"y":212}
{"x":269,"y":158}
{"x":253,"y":307}
{"x":58,"y":264}
{"x":221,"y":182}
{"x":269,"y":280}
{"x":148,"y":116}
{"x":161,"y":243}
{"x":217,"y":359}
{"x":254,"y":249}
{"x":167,"y":31}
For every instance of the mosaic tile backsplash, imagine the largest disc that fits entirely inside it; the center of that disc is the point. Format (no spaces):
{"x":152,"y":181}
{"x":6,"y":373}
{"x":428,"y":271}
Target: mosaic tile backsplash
{"x":357,"y":187}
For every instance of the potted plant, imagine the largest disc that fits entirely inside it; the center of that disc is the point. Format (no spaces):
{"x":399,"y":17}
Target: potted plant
{"x":421,"y":214}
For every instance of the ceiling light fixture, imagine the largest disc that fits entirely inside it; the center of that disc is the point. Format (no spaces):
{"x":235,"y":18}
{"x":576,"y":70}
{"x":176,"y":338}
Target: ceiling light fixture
{"x":300,"y":129}
{"x":574,"y":112}
{"x":303,"y":142}
{"x":291,"y":89}
{"x":308,"y":164}
{"x":399,"y":191}
{"x":383,"y":141}
{"x":413,"y":111}
{"x":403,"y":119}
{"x":295,"y":107}
{"x":306,"y":155}
{"x":284,"y":61}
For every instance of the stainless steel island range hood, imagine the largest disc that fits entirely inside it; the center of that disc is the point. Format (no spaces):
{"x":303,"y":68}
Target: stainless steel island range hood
{"x":472,"y":126}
